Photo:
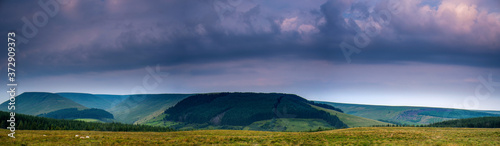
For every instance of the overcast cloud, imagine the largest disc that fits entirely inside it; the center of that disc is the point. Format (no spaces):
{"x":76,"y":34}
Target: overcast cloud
{"x":426,"y":53}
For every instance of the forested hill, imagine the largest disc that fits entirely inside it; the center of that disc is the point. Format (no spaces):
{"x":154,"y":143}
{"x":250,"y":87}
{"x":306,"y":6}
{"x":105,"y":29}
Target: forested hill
{"x":73,"y":113}
{"x":482,"y":122}
{"x":242,"y":109}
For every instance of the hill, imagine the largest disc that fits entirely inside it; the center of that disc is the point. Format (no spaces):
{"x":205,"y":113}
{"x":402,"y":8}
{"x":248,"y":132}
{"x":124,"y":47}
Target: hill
{"x":35,"y":103}
{"x":482,"y":122}
{"x":73,"y":113}
{"x":94,"y":101}
{"x":407,"y":114}
{"x":240,"y":110}
{"x":142,"y":107}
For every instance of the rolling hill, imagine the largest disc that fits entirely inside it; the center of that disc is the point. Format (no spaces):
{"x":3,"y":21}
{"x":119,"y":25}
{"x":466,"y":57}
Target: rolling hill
{"x":125,"y":108}
{"x":252,"y":111}
{"x":35,"y":103}
{"x":113,"y":99}
{"x":140,"y":108}
{"x":93,"y":101}
{"x":249,"y":111}
{"x":407,"y":114}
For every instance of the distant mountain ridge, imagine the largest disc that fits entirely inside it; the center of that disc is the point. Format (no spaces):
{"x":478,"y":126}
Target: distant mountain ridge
{"x":95,"y":101}
{"x":409,"y":115}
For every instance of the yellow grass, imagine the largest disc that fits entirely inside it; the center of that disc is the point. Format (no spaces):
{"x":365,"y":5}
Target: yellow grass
{"x":357,"y":136}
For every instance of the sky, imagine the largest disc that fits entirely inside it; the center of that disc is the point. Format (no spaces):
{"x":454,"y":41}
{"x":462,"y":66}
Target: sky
{"x":443,"y":53}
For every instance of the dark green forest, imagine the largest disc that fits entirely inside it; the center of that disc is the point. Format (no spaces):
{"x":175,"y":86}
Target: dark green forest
{"x":73,"y":113}
{"x":482,"y":122}
{"x":27,"y":122}
{"x":241,"y":109}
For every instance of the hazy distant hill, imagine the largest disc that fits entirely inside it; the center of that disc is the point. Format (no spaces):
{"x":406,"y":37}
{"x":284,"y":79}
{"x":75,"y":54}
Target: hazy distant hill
{"x":35,"y":103}
{"x":407,"y":114}
{"x":253,"y":111}
{"x":94,"y":101}
{"x":140,"y":108}
{"x":113,"y":99}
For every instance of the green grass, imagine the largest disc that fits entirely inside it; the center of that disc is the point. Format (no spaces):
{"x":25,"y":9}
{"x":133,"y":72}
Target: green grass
{"x":288,"y":124}
{"x":351,"y":136}
{"x":351,"y":120}
{"x":158,"y":121}
{"x":89,"y":120}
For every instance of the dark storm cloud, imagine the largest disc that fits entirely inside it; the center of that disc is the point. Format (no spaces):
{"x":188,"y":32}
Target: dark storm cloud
{"x":98,"y":36}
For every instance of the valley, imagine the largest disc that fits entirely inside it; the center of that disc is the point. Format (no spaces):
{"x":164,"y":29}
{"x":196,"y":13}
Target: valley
{"x":229,"y":110}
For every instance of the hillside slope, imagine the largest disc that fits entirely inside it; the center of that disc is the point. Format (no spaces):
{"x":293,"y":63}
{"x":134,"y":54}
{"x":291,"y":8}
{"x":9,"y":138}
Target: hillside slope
{"x":113,"y":99}
{"x":239,"y":110}
{"x":35,"y":103}
{"x":407,"y":114}
{"x":93,"y":101}
{"x":351,"y":120}
{"x":140,"y":108}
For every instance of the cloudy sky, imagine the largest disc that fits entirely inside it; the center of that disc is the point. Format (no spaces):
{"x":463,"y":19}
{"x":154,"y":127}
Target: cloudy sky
{"x":414,"y":52}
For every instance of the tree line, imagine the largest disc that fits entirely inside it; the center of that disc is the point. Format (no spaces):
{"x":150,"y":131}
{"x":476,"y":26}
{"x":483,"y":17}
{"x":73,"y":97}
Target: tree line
{"x":481,"y":122}
{"x":27,"y":122}
{"x":74,"y":113}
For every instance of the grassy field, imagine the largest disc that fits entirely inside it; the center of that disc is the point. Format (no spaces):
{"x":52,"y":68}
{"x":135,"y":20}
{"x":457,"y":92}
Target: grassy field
{"x":289,"y":125}
{"x":358,"y":136}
